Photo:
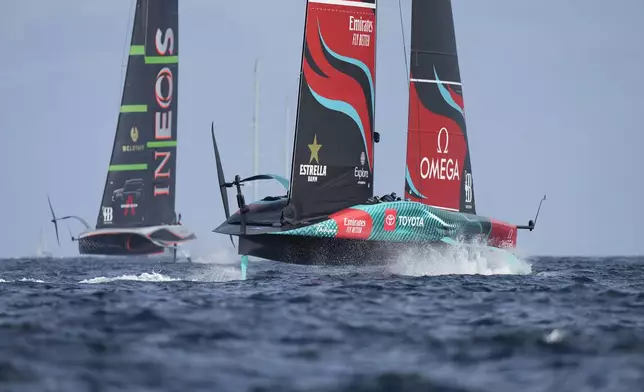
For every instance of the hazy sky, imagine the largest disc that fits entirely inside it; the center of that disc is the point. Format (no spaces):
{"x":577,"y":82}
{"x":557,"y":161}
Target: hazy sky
{"x":554,"y":96}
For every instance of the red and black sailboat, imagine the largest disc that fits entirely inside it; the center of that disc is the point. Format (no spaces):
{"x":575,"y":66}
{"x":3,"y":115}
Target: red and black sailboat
{"x":137,"y":213}
{"x":329,"y":214}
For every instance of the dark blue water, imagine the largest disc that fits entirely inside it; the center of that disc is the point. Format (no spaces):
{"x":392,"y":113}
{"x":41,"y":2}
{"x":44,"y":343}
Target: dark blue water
{"x":570,"y":324}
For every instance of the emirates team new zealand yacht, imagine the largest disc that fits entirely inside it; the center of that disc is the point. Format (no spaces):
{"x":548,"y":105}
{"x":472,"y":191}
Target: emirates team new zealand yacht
{"x":137,"y":213}
{"x":329,"y":214}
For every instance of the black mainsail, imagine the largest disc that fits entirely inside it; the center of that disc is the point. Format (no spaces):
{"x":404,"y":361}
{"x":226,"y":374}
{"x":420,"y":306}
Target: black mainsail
{"x":333,"y":148}
{"x":140,"y":186}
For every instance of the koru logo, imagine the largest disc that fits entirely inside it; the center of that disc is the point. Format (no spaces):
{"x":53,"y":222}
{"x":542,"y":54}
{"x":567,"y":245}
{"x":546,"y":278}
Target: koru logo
{"x":108,"y":214}
{"x":468,"y":187}
{"x":362,"y":158}
{"x":439,"y":142}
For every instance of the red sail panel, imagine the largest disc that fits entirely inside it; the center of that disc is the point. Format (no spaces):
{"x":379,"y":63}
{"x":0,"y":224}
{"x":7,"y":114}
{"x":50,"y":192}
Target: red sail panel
{"x":436,"y":150}
{"x":333,"y":154}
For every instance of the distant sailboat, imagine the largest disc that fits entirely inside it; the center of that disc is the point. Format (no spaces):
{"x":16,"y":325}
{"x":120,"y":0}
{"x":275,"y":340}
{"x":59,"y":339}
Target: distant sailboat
{"x":137,"y":213}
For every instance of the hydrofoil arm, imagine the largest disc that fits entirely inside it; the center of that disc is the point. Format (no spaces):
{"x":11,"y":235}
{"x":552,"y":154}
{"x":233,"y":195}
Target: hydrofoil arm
{"x":532,"y":223}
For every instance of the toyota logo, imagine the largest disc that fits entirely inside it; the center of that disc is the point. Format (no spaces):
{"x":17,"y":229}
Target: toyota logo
{"x":390,"y":219}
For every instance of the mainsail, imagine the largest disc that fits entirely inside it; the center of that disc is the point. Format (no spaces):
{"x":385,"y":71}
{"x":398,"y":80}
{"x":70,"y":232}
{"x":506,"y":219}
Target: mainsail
{"x":140,"y":185}
{"x":333,"y":149}
{"x":438,"y":171}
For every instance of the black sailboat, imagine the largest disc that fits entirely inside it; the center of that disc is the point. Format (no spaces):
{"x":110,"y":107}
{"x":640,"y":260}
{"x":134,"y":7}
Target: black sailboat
{"x":329,"y":214}
{"x":137,"y":212}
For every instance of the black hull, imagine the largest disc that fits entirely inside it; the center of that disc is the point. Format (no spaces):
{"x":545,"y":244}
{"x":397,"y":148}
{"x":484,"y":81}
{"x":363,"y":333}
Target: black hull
{"x":120,"y":244}
{"x":325,"y":251}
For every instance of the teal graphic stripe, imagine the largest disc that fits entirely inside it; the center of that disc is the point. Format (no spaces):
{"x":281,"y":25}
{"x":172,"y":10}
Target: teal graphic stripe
{"x":446,"y":95}
{"x":436,"y":224}
{"x":342,"y":107}
{"x":366,"y":71}
{"x":353,"y":61}
{"x":283,"y":181}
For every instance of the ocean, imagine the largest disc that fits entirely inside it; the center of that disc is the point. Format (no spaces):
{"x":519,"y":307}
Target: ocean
{"x":108,"y":324}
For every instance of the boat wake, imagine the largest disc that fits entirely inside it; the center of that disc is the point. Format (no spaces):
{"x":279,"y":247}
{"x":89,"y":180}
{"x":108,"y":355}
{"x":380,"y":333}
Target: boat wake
{"x":218,"y":266}
{"x":464,"y":259}
{"x":144,"y":277}
{"x":213,"y":275}
{"x":31,"y":280}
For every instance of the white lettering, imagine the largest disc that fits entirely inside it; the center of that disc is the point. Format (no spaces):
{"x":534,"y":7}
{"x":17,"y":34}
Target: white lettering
{"x":359,"y":24}
{"x":158,"y":173}
{"x":164,"y":74}
{"x":360,"y":173}
{"x":413,"y":221}
{"x":158,"y":191}
{"x":355,"y":222}
{"x":361,"y":40}
{"x":324,"y":230}
{"x":164,"y":44}
{"x":441,"y":169}
{"x":163,"y":125}
{"x":362,"y":26}
{"x":313,"y":172}
{"x":163,"y":121}
{"x":438,"y":141}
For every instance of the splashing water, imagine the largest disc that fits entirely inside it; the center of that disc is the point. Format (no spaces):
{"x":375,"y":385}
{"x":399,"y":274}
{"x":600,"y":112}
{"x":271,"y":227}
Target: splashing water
{"x":221,"y":256}
{"x":461,"y":259}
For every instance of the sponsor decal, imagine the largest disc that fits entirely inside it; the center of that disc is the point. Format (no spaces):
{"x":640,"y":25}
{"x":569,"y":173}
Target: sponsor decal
{"x":359,"y":172}
{"x":129,"y":206}
{"x":444,"y":168}
{"x":159,"y":173}
{"x":352,"y":223}
{"x":390,"y":219}
{"x":502,"y":234}
{"x":108,"y":214}
{"x":127,"y":196}
{"x":313,"y":171}
{"x":361,"y":31}
{"x":134,"y":136}
{"x":324,"y":230}
{"x":411,"y":221}
{"x":164,"y":45}
{"x":467,"y":184}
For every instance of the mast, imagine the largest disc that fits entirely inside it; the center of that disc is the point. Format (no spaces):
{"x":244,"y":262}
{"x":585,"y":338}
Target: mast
{"x":287,"y":143}
{"x":256,"y":133}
